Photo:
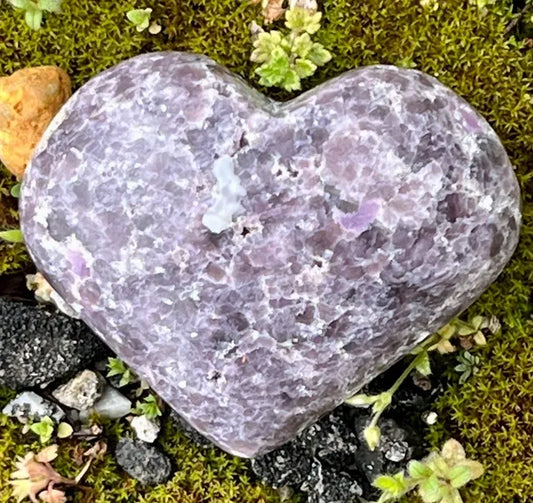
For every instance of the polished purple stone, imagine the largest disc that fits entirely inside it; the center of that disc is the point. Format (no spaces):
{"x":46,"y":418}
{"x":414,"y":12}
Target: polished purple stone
{"x":258,"y":262}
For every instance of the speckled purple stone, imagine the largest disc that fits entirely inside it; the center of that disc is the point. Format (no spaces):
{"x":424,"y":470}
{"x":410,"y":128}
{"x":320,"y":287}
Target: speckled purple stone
{"x":378,"y":206}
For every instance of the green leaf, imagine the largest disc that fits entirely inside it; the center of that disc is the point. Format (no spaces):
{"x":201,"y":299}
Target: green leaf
{"x":419,"y":470}
{"x":20,"y":4}
{"x":12,"y":236}
{"x":33,"y":17}
{"x":291,"y":81}
{"x":460,"y":475}
{"x":303,"y":20}
{"x":302,"y":45}
{"x":372,"y":436}
{"x":383,"y":400}
{"x":265,"y":46}
{"x":149,"y":407}
{"x":125,"y":379}
{"x":64,"y":430}
{"x":466,"y":330}
{"x":395,"y":485}
{"x":15,"y":190}
{"x":475,"y":466}
{"x":44,"y":428}
{"x":464,"y":376}
{"x":140,"y":18}
{"x":451,"y":495}
{"x":361,"y":400}
{"x":116,"y":367}
{"x":478,"y":321}
{"x":50,"y":5}
{"x":430,"y":490}
{"x":423,"y":364}
{"x":273,"y":73}
{"x":318,"y":55}
{"x":304,"y":68}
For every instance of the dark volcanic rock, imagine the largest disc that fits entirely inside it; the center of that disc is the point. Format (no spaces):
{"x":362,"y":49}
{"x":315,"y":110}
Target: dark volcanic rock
{"x":316,"y":462}
{"x":258,"y":262}
{"x":143,"y":461}
{"x":333,"y":454}
{"x":38,"y":346}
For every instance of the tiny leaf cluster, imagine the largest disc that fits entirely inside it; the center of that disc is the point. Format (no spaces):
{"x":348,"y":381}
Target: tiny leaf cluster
{"x":34,"y":9}
{"x":468,"y":332}
{"x":118,"y":368}
{"x":437,"y":478}
{"x":149,"y":407}
{"x":286,"y":59}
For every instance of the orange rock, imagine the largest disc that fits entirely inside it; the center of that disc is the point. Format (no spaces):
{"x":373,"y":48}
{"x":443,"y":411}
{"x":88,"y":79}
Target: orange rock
{"x":29,"y":99}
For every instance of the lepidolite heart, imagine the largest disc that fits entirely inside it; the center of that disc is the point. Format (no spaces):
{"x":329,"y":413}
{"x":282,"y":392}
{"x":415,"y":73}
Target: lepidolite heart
{"x":258,"y":262}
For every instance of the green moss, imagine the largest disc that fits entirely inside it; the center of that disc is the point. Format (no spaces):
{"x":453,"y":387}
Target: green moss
{"x":202,"y":475}
{"x":491,"y":414}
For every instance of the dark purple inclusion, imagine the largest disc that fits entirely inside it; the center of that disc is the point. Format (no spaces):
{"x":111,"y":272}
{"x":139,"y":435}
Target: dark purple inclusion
{"x":354,"y":221}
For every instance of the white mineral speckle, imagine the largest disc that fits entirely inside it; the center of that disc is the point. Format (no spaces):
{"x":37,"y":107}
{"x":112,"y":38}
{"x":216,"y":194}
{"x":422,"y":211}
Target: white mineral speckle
{"x":226,"y":201}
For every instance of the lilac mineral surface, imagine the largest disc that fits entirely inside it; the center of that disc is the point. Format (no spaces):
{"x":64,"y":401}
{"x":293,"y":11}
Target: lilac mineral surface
{"x":258,"y":262}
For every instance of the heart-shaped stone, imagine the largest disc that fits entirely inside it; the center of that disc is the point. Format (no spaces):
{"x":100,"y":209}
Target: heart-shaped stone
{"x":258,"y":262}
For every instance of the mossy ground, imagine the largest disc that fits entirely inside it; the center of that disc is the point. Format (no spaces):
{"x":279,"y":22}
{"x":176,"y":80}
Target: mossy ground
{"x":202,"y":475}
{"x":493,"y":413}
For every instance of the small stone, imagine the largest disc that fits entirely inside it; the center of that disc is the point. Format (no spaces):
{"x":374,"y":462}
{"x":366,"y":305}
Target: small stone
{"x":327,"y":485}
{"x":145,"y":428}
{"x":39,"y":346}
{"x":143,"y":461}
{"x":430,"y":417}
{"x":81,"y":392}
{"x":112,"y":404}
{"x":29,"y":100}
{"x":29,"y":407}
{"x":396,"y":450}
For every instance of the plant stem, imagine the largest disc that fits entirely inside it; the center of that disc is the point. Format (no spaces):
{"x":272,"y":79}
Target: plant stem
{"x":528,"y":6}
{"x":406,"y":372}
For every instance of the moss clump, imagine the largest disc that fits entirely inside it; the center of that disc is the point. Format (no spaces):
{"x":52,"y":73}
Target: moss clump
{"x":491,"y":414}
{"x":202,"y":475}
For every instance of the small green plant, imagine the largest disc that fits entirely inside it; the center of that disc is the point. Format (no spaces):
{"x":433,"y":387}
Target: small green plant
{"x":468,"y":366}
{"x":379,"y":403}
{"x":437,"y":478}
{"x":441,"y":342}
{"x":286,"y":59}
{"x":33,"y":10}
{"x":149,"y":407}
{"x":12,"y":236}
{"x":15,"y":190}
{"x":44,"y":428}
{"x":140,"y":18}
{"x":118,"y":368}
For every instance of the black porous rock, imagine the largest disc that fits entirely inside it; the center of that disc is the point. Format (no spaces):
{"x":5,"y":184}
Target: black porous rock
{"x":326,"y":485}
{"x":143,"y":461}
{"x":334,"y":449}
{"x":38,"y":345}
{"x":317,"y":462}
{"x":258,"y":262}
